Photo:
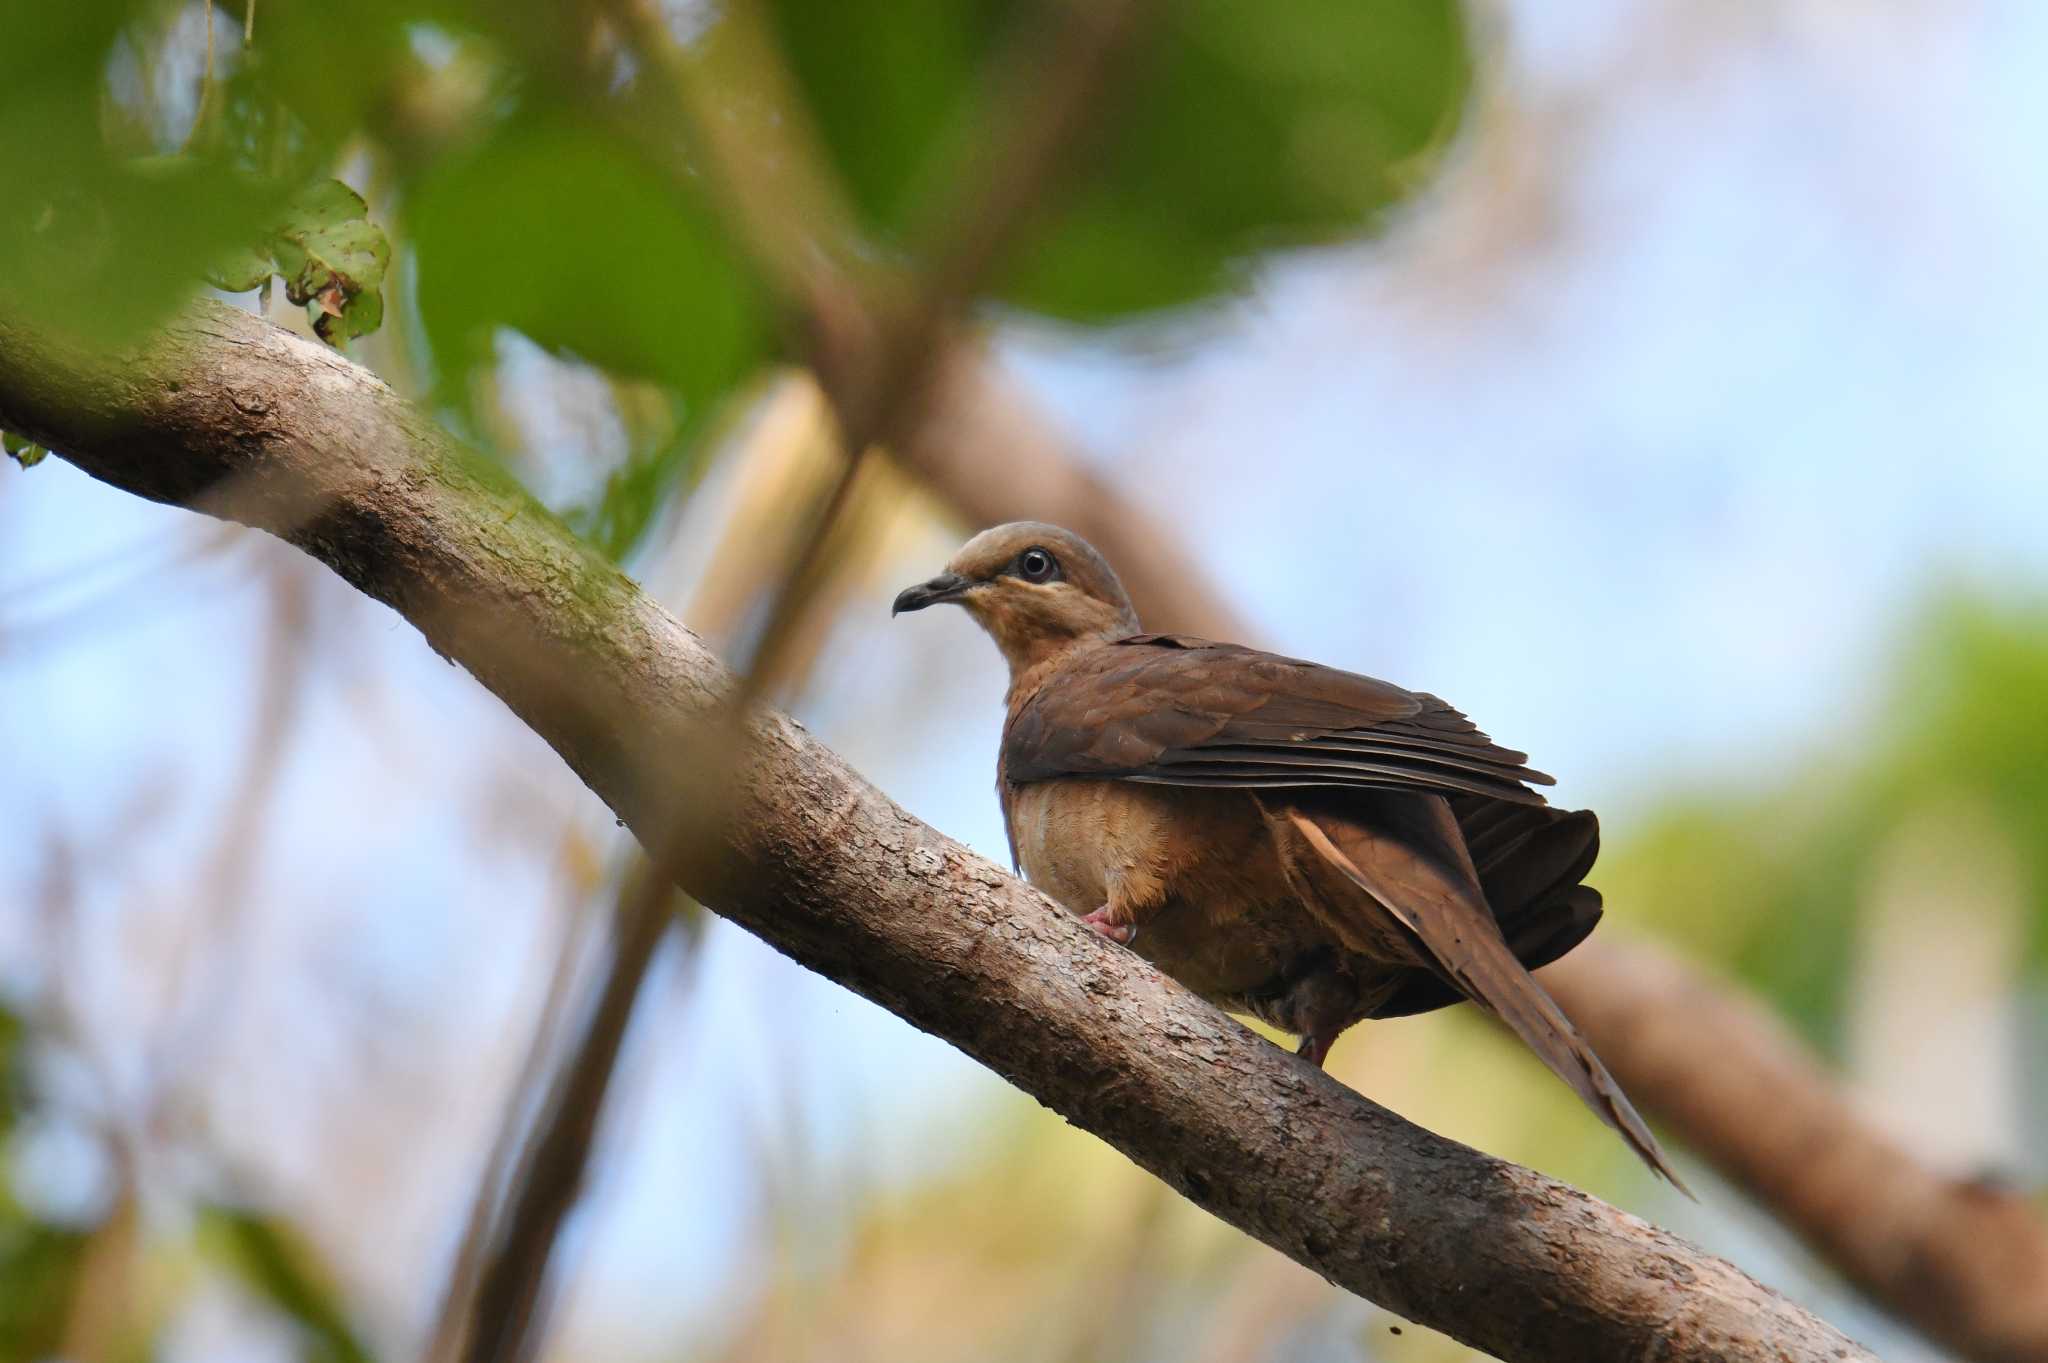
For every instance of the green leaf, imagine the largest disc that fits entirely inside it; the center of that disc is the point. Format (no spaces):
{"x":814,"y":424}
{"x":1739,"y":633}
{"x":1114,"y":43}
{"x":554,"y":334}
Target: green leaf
{"x":242,"y":268}
{"x":342,"y":68}
{"x":333,"y":259}
{"x":39,"y":1262}
{"x":1235,"y":129}
{"x":22,"y":450}
{"x":889,"y":85}
{"x":39,"y":1268}
{"x":557,"y":230}
{"x":277,"y":1265}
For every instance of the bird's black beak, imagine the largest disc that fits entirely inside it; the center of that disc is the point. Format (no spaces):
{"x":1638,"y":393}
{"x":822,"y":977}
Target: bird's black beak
{"x":944,"y":587}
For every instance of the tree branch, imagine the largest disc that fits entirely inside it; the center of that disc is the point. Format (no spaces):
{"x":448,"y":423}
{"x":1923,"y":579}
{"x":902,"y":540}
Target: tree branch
{"x":234,"y":416}
{"x":1964,"y":1261}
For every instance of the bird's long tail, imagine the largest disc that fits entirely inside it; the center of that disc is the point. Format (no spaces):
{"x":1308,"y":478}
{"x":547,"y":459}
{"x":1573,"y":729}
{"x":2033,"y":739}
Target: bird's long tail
{"x":1424,"y":879}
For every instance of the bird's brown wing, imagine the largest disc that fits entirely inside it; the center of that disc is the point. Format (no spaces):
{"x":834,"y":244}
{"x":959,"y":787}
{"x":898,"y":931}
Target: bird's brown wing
{"x":1181,"y":711}
{"x":1409,"y":861}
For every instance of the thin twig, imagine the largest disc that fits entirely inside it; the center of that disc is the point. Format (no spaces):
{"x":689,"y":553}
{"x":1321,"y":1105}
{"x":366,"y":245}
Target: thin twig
{"x":458,"y":1294}
{"x":510,"y":1302}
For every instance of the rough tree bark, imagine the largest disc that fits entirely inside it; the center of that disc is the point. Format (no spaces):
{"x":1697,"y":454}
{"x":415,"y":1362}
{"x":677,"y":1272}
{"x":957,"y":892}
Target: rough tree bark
{"x":1964,"y":1260}
{"x":229,"y":415}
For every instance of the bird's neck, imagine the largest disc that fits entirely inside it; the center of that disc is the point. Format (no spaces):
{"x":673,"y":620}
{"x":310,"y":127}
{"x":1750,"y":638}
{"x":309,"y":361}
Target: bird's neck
{"x":1034,"y":639}
{"x":1033,"y":661}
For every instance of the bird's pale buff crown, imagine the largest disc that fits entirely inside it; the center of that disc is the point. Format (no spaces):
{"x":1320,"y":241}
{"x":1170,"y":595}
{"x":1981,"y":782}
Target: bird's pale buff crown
{"x":1037,"y":589}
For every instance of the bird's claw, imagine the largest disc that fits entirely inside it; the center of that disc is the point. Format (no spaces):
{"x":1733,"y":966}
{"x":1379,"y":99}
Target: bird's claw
{"x":1103,"y":922}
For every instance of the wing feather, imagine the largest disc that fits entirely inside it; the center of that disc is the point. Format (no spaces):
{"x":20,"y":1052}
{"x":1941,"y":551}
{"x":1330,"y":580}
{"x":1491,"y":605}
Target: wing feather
{"x":1173,"y":710}
{"x":1255,"y":767}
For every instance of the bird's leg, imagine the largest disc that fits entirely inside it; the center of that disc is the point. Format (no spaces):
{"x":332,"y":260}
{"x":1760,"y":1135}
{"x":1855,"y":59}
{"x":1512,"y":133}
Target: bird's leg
{"x":1134,"y":894}
{"x":1319,"y":998}
{"x":1107,"y":922}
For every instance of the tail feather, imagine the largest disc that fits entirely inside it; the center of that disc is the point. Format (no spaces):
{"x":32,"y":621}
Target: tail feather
{"x":1530,"y":860}
{"x":1536,"y":935}
{"x":1526,"y":855}
{"x":1442,"y":908}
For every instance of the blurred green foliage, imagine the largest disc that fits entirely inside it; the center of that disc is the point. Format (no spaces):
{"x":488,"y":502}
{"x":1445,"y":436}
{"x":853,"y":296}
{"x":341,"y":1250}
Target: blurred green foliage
{"x":1241,"y":128}
{"x":46,"y":1266}
{"x":101,"y":233}
{"x":555,"y":229}
{"x":521,"y":178}
{"x":276,"y":1265}
{"x":39,"y":1261}
{"x":1776,"y":882}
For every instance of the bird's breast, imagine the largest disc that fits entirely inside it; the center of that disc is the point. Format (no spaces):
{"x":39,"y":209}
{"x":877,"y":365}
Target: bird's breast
{"x":1075,"y":838}
{"x":1221,"y":920}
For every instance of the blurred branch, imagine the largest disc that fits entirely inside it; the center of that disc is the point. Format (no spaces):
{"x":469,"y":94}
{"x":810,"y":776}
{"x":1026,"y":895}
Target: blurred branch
{"x":788,"y":453}
{"x":504,"y":1326}
{"x":829,"y":871}
{"x":196,"y":1005}
{"x":101,"y":1312}
{"x":1965,"y":1262}
{"x":458,"y":1294}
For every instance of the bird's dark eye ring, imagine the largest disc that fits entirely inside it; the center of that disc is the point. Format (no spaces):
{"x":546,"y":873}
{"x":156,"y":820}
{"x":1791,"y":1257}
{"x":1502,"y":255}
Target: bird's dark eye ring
{"x":1036,"y":565}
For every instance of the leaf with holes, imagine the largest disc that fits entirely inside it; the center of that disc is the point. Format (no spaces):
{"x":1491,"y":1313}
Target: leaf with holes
{"x":333,"y":260}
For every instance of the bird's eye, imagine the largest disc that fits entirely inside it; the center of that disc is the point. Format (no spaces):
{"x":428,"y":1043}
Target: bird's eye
{"x":1035,"y":565}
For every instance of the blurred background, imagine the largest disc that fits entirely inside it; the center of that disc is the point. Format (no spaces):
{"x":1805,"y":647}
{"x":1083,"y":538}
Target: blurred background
{"x":1659,"y":380}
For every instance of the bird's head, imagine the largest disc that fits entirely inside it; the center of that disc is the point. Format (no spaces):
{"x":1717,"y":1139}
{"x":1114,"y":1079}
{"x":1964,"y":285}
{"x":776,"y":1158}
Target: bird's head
{"x":1037,"y":589}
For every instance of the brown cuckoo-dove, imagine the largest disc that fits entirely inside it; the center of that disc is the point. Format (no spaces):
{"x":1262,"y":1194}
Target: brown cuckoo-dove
{"x":1308,"y":846}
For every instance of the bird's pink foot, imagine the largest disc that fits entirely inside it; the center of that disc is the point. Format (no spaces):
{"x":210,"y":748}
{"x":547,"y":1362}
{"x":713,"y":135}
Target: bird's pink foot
{"x":1106,"y":923}
{"x":1315,"y":1048}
